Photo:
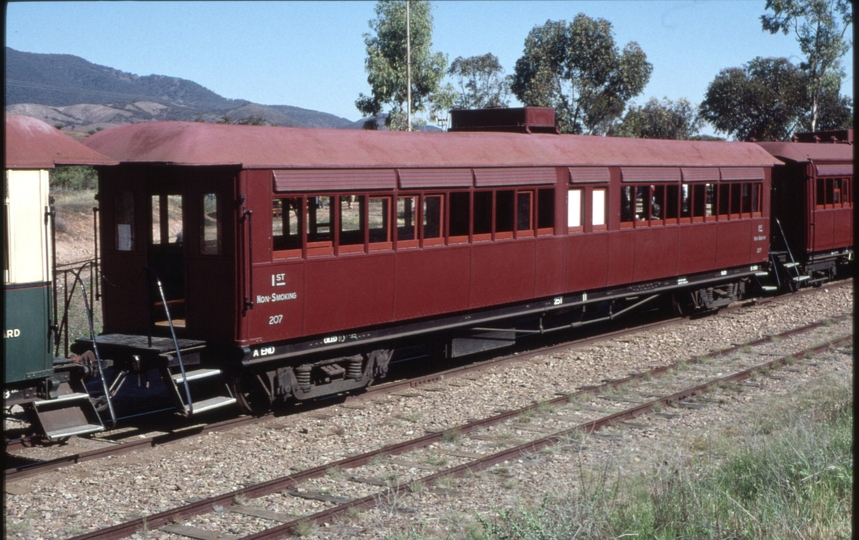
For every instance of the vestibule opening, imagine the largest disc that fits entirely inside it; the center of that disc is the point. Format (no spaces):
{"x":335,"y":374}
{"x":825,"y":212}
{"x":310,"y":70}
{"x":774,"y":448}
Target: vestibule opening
{"x":166,"y":258}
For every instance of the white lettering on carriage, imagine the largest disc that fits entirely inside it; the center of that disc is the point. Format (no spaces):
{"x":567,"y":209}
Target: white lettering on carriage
{"x":276,"y":297}
{"x":12,"y":333}
{"x":263,"y":351}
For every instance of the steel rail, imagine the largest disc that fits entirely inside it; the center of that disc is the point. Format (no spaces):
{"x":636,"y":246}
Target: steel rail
{"x":370,"y":501}
{"x":279,"y":484}
{"x":24,"y":471}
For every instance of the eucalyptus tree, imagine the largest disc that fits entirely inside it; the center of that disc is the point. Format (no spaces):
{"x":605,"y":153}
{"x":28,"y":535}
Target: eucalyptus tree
{"x":388,"y":54}
{"x":578,"y":70}
{"x":820,"y":27}
{"x":481,"y":82}
{"x":656,"y":119}
{"x":767,"y":99}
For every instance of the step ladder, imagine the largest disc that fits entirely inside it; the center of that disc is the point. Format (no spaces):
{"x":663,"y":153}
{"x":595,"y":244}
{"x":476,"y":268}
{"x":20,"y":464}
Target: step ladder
{"x":764,"y":275}
{"x":175,"y":374}
{"x":180,"y":390}
{"x":791,"y":267}
{"x":65,"y":416}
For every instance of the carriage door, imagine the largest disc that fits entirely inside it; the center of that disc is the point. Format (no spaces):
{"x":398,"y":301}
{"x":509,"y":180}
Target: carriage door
{"x":166,"y":256}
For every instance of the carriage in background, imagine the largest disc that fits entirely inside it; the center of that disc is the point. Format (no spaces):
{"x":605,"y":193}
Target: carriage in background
{"x":51,"y":390}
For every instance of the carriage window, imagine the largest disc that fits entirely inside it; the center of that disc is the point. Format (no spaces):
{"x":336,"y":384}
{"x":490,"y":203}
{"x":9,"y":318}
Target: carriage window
{"x":642,"y":203}
{"x":627,"y":212}
{"x":482,"y":214}
{"x":657,"y":202}
{"x":598,"y":201}
{"x":406,"y":218}
{"x":380,"y":220}
{"x":746,"y":199}
{"x":210,"y":239}
{"x":156,"y":219}
{"x":319,"y":218}
{"x":351,"y":220}
{"x":460,"y":215}
{"x":546,"y":209}
{"x":432,"y":217}
{"x":286,"y":224}
{"x":124,"y":219}
{"x":671,"y":199}
{"x":504,"y":211}
{"x":574,"y":208}
{"x":756,"y":198}
{"x":833,"y":192}
{"x":685,"y":201}
{"x":174,"y":219}
{"x":524,"y":210}
{"x":735,"y":199}
{"x":167,"y":220}
{"x":724,"y":199}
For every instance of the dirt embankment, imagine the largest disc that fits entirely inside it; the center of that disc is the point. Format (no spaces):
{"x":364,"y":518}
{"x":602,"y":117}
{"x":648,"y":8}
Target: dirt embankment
{"x":74,"y":225}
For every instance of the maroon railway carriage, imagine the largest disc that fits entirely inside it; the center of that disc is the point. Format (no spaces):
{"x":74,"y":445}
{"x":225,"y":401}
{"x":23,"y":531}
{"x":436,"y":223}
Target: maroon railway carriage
{"x":298,"y":259}
{"x":812,"y":207}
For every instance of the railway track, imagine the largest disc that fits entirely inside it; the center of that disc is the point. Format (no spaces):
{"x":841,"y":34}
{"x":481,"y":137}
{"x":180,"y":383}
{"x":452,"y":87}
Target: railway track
{"x":384,"y":476}
{"x":114,"y":447}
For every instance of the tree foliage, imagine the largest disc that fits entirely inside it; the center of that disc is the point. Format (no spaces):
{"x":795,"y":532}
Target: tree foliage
{"x":73,"y":177}
{"x":386,"y":62}
{"x":819,"y":27}
{"x":577,"y":69}
{"x":665,"y":119}
{"x":481,"y":82}
{"x":766,"y":99}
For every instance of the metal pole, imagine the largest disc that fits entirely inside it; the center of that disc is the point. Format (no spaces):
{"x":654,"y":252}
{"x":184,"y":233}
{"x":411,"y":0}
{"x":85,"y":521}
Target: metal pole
{"x":409,"y":64}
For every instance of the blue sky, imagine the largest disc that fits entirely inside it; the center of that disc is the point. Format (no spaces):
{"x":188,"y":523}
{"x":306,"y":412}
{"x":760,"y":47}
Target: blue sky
{"x":311,"y":54}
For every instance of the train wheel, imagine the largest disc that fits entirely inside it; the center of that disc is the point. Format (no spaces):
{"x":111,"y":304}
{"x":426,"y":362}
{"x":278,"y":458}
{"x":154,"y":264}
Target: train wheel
{"x":250,"y":396}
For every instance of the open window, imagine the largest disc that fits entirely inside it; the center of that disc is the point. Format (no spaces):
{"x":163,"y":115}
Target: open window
{"x":407,"y":222}
{"x":379,"y":220}
{"x":320,"y":225}
{"x":482,"y":215}
{"x":545,"y":211}
{"x":123,"y":208}
{"x":352,"y":223}
{"x":286,"y":233}
{"x":504,"y":213}
{"x":433,"y":219}
{"x":210,"y":225}
{"x":459,"y":216}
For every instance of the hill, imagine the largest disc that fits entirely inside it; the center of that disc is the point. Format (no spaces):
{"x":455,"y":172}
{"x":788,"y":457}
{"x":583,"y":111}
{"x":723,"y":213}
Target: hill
{"x":75,"y":94}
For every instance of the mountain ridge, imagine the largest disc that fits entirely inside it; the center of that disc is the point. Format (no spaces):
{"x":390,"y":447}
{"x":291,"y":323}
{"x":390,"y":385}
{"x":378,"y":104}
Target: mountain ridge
{"x":74,"y":94}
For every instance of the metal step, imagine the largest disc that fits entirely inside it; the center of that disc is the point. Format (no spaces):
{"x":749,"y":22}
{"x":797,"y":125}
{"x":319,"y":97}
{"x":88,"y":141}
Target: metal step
{"x":802,"y":278}
{"x":212,"y":403}
{"x":790,"y":265}
{"x":769,"y":288}
{"x":761,"y":273}
{"x":68,"y":415}
{"x":59,"y":399}
{"x":194,"y":375}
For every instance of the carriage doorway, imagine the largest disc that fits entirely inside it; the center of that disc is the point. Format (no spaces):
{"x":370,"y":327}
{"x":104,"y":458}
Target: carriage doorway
{"x":166,"y":257}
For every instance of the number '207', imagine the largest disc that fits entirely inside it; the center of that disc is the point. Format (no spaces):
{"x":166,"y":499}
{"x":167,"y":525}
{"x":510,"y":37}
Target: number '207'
{"x":275,"y":319}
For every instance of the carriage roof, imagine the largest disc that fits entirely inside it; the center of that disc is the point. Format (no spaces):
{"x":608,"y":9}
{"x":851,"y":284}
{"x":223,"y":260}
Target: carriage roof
{"x":262,"y":147}
{"x":33,"y":144}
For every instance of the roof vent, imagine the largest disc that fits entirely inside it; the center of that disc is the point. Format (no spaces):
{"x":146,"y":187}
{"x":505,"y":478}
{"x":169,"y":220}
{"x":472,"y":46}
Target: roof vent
{"x":516,"y":120}
{"x":836,"y":136}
